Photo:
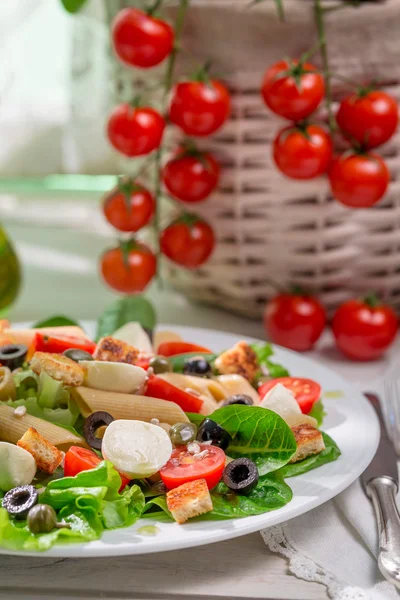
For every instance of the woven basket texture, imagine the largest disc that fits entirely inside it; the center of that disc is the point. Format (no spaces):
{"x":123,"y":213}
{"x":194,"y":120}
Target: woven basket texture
{"x":270,"y":228}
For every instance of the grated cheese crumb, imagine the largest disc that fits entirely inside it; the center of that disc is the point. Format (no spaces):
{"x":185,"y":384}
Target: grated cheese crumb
{"x":20,"y":412}
{"x":155,"y":421}
{"x":193,"y":448}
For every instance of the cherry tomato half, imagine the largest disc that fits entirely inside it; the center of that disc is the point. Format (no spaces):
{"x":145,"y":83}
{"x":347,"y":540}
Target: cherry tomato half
{"x":368,"y":118}
{"x":292,"y":97}
{"x":128,"y":271}
{"x":191,"y":177}
{"x":80,"y":459}
{"x":363,"y":330}
{"x":305,"y":391}
{"x":294,"y":321}
{"x":358,"y":180}
{"x":200,"y":108}
{"x":135,"y":131}
{"x":303,"y":154}
{"x":139,"y":39}
{"x":188,"y":242}
{"x":182,"y":467}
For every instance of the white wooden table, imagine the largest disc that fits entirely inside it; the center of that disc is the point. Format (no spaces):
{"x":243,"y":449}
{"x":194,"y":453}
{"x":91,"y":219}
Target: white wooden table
{"x":60,"y":271}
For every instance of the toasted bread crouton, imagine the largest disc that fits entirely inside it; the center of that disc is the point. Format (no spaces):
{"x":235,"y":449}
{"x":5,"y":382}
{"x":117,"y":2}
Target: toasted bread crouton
{"x":189,"y":500}
{"x":309,"y":441}
{"x":113,"y":350}
{"x":47,"y":456}
{"x":58,"y":367}
{"x":241,"y":359}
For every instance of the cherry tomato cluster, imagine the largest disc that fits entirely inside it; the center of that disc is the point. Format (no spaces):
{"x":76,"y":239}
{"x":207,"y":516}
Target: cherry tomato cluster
{"x":363,"y":329}
{"x":367,"y":118}
{"x":198,"y":108}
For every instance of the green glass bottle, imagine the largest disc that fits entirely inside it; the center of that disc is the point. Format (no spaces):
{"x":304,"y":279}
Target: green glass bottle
{"x":10,"y":273}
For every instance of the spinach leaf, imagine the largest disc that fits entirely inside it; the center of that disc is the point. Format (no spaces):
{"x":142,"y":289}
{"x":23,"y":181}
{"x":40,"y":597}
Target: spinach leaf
{"x":178,"y":360}
{"x":270,"y":493}
{"x":195,"y":418}
{"x":56,"y":321}
{"x":73,"y":6}
{"x":257,"y":433}
{"x":330,"y":454}
{"x":318,"y":412}
{"x":124,"y":310}
{"x":264,"y":352}
{"x":276,"y":370}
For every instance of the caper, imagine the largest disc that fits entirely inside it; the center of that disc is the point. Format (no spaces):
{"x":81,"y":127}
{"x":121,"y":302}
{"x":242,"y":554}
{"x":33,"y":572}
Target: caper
{"x":182,"y":433}
{"x":77,"y":355}
{"x":160,"y":364}
{"x":42,"y":518}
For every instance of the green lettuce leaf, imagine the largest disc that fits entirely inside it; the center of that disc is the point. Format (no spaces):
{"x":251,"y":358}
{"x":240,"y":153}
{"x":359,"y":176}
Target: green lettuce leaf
{"x":65,"y":417}
{"x":331,"y":453}
{"x":195,"y":418}
{"x":257,"y":433}
{"x":125,"y":510}
{"x":264,"y":352}
{"x":318,"y":412}
{"x":178,"y":361}
{"x":125,"y":310}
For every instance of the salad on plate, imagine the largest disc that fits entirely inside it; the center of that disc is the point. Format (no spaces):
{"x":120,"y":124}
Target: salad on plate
{"x":95,"y":435}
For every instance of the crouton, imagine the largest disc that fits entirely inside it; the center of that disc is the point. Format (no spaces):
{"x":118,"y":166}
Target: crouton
{"x":58,"y":367}
{"x":189,"y":500}
{"x":113,"y":350}
{"x":47,"y":456}
{"x":309,"y":441}
{"x":241,"y":359}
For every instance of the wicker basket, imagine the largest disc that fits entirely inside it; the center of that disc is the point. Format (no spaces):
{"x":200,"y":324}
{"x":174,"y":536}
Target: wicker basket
{"x":269,"y":226}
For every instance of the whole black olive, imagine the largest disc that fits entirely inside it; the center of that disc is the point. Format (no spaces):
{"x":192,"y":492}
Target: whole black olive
{"x":13,"y":355}
{"x":197,"y":366}
{"x":20,"y":500}
{"x":160,"y":364}
{"x":77,"y":355}
{"x":210,"y":431}
{"x":92,"y":424}
{"x":240,"y":475}
{"x":239,"y":399}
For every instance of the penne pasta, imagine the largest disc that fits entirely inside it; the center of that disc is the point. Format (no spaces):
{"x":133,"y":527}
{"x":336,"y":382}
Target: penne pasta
{"x":127,"y":406}
{"x":199,"y":386}
{"x":236,"y":384}
{"x":12,"y":428}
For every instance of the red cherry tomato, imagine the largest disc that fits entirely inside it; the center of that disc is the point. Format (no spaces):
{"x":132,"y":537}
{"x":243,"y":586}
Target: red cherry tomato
{"x":191,"y":177}
{"x":359,"y":180}
{"x":368,"y":118}
{"x":200,"y":108}
{"x":57,"y":344}
{"x":135,"y":131}
{"x":363,"y":330}
{"x":140,"y":40}
{"x":129,"y":214}
{"x":305,"y":391}
{"x":303,"y":154}
{"x":294,"y":321}
{"x":128,"y":270}
{"x":159,"y":388}
{"x":182,"y":467}
{"x":296,"y":95}
{"x":80,"y":459}
{"x":174,"y":348}
{"x":188,"y":242}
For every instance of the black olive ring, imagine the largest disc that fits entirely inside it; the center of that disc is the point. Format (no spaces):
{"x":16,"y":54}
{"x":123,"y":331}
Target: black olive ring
{"x":98,"y":419}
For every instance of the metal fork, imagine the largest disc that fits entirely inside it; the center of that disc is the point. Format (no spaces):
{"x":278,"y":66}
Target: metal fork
{"x":391,"y":411}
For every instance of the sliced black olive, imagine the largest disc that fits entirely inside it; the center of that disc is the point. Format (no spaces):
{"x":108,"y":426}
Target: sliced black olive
{"x":197,"y":366}
{"x":13,"y":355}
{"x":160,"y":364}
{"x":241,"y":475}
{"x":239,"y":399}
{"x":182,"y":433}
{"x":210,"y":431}
{"x":77,"y":355}
{"x":92,"y":424}
{"x":20,"y":500}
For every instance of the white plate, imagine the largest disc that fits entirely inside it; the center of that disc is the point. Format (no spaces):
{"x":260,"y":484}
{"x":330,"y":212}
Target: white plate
{"x":351,"y":421}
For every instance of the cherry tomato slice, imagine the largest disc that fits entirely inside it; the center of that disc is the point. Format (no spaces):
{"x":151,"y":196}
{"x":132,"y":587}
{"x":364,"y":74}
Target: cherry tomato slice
{"x":173,"y":348}
{"x":306,"y":391}
{"x":183,"y":467}
{"x":159,"y":388}
{"x":58,"y":344}
{"x":80,"y":459}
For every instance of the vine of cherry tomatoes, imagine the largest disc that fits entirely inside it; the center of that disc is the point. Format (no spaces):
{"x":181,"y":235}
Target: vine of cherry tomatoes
{"x":367,"y":118}
{"x":199,"y":107}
